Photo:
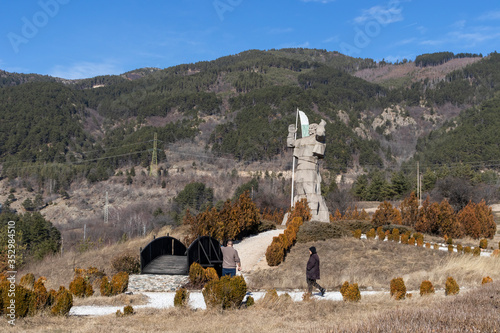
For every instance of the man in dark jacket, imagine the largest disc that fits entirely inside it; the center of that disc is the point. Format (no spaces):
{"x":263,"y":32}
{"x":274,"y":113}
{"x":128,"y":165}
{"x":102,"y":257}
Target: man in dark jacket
{"x":312,"y":271}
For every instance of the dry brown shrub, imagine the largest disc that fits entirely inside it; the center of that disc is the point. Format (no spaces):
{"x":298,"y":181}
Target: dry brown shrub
{"x":398,"y":288}
{"x":451,"y":286}
{"x":486,"y":279}
{"x":426,"y":288}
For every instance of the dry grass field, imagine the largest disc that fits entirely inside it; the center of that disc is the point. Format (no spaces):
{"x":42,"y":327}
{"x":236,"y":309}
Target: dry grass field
{"x":473,"y":311}
{"x":370,"y":263}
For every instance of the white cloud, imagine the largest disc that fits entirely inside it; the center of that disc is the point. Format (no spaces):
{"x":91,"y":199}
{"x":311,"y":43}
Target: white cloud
{"x":422,"y":29}
{"x":84,"y":69}
{"x":333,"y":39}
{"x":492,"y":15}
{"x":474,"y":37}
{"x":458,"y":24}
{"x":381,"y":14}
{"x":405,"y":41}
{"x":432,"y":42}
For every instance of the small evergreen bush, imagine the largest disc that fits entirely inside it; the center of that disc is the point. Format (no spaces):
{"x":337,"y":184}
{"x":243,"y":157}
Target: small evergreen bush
{"x":128,"y":310}
{"x":181,"y":298}
{"x":426,"y":288}
{"x":275,"y":253}
{"x":119,"y":283}
{"x":418,"y":236}
{"x":451,"y":287}
{"x":467,"y":250}
{"x":476,"y":252}
{"x":24,"y":300}
{"x":105,"y":287}
{"x":395,"y":235}
{"x":450,"y":248}
{"x":370,"y":234}
{"x":211,"y":274}
{"x":80,"y":287}
{"x":398,"y":288}
{"x":40,"y":293}
{"x":483,"y":243}
{"x":486,"y":279}
{"x":352,"y":293}
{"x":357,"y":233}
{"x":197,"y":274}
{"x":225,"y":293}
{"x":62,"y":303}
{"x":460,"y":248}
{"x":380,"y":234}
{"x":250,"y":301}
{"x":404,"y":239}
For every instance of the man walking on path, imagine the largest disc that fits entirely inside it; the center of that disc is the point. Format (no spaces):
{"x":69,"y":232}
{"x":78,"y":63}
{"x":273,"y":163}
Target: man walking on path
{"x":312,"y":271}
{"x":230,"y":260}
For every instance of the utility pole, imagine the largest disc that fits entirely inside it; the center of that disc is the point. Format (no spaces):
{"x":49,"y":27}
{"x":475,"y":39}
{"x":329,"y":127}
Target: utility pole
{"x":106,"y":212}
{"x":153,"y":168}
{"x":419,"y":191}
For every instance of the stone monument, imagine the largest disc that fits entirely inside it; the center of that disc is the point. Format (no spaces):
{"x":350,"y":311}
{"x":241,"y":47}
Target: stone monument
{"x":308,"y":151}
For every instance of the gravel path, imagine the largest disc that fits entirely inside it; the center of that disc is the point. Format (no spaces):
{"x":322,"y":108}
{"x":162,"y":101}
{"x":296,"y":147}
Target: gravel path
{"x":252,"y":250}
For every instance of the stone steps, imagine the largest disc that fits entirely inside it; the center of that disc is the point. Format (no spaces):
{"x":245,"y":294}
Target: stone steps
{"x":155,"y":282}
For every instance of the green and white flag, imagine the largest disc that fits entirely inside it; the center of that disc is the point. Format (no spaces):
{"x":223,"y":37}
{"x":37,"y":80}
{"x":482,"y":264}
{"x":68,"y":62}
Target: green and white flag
{"x":304,"y":124}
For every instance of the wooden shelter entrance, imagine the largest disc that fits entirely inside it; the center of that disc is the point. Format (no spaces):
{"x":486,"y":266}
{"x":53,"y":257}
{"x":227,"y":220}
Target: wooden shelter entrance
{"x":164,"y":255}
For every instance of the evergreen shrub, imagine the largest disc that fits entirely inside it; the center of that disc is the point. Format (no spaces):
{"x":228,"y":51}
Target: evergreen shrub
{"x":370,"y":234}
{"x":80,"y":287}
{"x":62,"y":303}
{"x":119,"y":283}
{"x":197,"y":274}
{"x":250,"y":301}
{"x":398,"y":288}
{"x":352,"y":293}
{"x":181,"y":298}
{"x":225,"y":293}
{"x":486,"y":279}
{"x":128,"y":310}
{"x":451,"y":287}
{"x":426,"y":288}
{"x":357,"y":233}
{"x":105,"y":287}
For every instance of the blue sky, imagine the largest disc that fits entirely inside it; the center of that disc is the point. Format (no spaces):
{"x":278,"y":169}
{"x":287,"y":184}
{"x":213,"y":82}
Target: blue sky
{"x":78,"y":39}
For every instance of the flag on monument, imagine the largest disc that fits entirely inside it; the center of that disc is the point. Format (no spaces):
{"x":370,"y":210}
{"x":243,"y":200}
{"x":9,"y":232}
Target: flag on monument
{"x":304,"y":124}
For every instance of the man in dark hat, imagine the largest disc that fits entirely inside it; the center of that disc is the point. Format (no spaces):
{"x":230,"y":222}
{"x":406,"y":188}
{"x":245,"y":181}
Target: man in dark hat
{"x":312,"y":271}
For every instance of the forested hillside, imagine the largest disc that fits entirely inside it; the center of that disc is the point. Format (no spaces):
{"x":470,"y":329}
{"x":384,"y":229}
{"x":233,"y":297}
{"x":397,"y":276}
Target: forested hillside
{"x":239,"y":107}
